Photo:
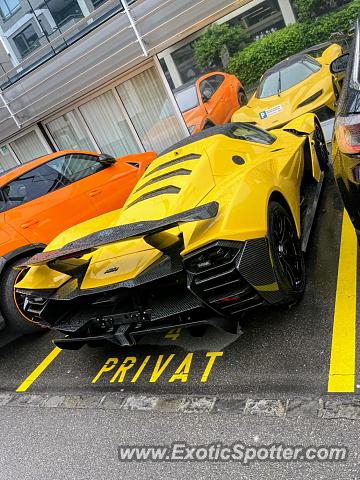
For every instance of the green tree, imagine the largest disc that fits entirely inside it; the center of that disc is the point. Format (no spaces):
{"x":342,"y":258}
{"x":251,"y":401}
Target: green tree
{"x":307,"y":10}
{"x":209,"y":45}
{"x":250,"y":63}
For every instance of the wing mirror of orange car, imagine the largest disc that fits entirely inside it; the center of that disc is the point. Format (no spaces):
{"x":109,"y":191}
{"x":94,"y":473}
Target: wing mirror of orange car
{"x":206,"y":95}
{"x":2,"y":202}
{"x":106,"y":160}
{"x":339,"y":65}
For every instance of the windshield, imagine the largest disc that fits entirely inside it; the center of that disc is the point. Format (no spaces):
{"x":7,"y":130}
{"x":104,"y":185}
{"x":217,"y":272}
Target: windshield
{"x":287,"y":77}
{"x":187,"y":98}
{"x":251,"y":133}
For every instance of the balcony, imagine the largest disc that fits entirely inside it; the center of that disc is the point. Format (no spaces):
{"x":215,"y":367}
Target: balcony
{"x":94,"y":51}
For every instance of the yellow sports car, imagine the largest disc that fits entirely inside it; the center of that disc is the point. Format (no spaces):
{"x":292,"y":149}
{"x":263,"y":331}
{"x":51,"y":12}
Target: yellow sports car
{"x":216,"y":225}
{"x":297,"y":85}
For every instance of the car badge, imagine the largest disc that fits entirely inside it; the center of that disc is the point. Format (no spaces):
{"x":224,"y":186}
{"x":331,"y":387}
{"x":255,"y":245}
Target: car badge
{"x":112,"y":270}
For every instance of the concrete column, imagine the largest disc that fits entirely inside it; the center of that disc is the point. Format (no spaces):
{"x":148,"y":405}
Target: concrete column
{"x":84,"y":8}
{"x":9,"y":50}
{"x":174,"y":72}
{"x":287,"y":12}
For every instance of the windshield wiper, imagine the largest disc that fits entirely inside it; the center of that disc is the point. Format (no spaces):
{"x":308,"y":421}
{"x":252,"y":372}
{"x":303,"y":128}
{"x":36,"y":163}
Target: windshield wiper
{"x":279,"y":84}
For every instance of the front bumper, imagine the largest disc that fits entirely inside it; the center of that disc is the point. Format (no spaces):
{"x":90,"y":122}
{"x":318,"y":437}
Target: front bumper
{"x":213,"y":285}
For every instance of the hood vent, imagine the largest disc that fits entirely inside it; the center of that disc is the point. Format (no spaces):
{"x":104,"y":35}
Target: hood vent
{"x":161,"y":191}
{"x":191,"y":156}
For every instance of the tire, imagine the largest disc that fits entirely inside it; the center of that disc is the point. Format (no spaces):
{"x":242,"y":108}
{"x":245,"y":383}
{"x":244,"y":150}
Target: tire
{"x":286,"y":253}
{"x":321,"y":148}
{"x":16,"y":321}
{"x":242,"y":98}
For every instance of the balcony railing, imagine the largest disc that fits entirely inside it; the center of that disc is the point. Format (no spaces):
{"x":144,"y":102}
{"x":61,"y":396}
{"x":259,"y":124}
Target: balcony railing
{"x":127,"y":40}
{"x":52,"y":47}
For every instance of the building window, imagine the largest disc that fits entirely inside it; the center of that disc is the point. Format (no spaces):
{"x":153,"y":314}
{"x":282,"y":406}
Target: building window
{"x":7,"y":159}
{"x":261,"y":20}
{"x":28,"y":147}
{"x":109,"y":125}
{"x":27,"y":41}
{"x":64,"y":12}
{"x":69,"y":133}
{"x":8,"y":8}
{"x":97,"y":3}
{"x":150,"y":111}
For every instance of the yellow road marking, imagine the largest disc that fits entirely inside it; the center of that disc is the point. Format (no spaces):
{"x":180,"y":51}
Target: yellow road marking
{"x":39,"y":370}
{"x":343,"y":347}
{"x":173,"y":334}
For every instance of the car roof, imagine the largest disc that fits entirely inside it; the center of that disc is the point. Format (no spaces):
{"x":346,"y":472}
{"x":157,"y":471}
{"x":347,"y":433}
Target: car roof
{"x":18,"y":170}
{"x":299,"y":57}
{"x":226,"y":129}
{"x":317,"y":47}
{"x":192,"y":82}
{"x":349,"y":102}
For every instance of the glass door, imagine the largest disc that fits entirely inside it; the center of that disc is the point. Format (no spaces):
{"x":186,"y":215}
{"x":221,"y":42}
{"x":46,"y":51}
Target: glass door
{"x":109,"y":126}
{"x":7,"y":158}
{"x":70,"y":133}
{"x":150,"y":110}
{"x":29,"y":146}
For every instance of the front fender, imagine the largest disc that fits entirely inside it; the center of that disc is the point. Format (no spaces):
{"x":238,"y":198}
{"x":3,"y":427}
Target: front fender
{"x":304,"y":124}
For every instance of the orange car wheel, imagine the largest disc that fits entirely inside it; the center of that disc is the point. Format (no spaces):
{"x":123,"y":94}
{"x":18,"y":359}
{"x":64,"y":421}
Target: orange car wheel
{"x":242,"y":98}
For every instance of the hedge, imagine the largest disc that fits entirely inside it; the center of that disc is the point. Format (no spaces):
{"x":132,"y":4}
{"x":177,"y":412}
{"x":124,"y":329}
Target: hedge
{"x":207,"y":48}
{"x":250,"y":63}
{"x":310,"y":9}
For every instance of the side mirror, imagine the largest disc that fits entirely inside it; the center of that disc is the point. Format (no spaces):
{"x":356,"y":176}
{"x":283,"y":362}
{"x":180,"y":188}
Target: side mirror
{"x":106,"y":160}
{"x":206,"y":95}
{"x":339,"y":65}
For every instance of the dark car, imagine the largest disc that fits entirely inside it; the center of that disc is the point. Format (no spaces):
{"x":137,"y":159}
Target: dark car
{"x":346,"y":138}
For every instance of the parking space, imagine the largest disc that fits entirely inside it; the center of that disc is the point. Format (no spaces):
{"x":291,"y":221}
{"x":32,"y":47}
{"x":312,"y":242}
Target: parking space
{"x":308,"y":349}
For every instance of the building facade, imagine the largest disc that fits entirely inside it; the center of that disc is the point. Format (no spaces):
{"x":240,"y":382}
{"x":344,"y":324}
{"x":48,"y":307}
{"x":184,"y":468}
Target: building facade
{"x":98,"y":75}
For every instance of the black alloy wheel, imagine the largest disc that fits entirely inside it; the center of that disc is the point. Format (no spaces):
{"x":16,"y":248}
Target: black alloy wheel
{"x":287,"y":256}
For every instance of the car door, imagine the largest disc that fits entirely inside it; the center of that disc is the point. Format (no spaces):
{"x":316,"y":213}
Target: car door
{"x":105,"y":186}
{"x":111,"y":187}
{"x":42,"y":203}
{"x":214,"y":98}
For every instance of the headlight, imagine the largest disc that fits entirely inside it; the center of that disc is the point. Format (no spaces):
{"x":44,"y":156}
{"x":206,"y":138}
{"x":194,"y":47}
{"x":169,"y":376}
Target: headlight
{"x":191,"y":129}
{"x":310,"y":99}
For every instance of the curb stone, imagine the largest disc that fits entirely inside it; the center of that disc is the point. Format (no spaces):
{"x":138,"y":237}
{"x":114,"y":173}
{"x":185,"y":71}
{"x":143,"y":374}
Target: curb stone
{"x":330,"y":407}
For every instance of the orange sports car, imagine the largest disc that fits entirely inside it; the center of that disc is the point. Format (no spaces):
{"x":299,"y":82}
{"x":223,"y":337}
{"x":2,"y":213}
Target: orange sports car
{"x":44,"y":197}
{"x":210,"y":100}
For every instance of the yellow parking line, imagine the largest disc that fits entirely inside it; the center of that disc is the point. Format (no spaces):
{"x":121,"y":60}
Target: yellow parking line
{"x":39,"y":370}
{"x":343,"y":348}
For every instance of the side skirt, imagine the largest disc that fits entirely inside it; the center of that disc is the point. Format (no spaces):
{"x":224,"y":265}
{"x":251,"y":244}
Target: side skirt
{"x":312,"y":193}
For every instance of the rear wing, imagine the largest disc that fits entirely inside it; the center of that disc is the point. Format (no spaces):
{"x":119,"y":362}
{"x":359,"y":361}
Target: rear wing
{"x":111,"y":235}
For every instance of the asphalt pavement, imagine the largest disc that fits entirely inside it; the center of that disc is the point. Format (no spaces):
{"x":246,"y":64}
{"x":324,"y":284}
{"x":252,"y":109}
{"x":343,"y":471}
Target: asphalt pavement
{"x":218,"y":387}
{"x":80,"y":445}
{"x":276,"y":350}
